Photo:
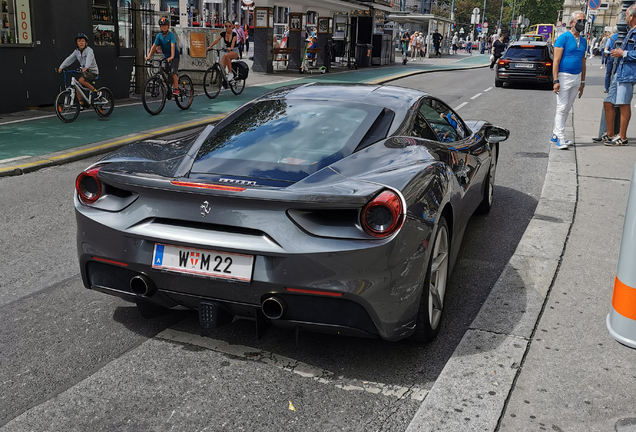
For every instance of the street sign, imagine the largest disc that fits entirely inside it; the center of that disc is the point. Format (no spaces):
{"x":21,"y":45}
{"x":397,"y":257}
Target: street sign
{"x":513,"y":23}
{"x":476,"y":11}
{"x":604,"y":6}
{"x":526,"y":22}
{"x":594,"y":4}
{"x":485,"y":24}
{"x":558,"y":23}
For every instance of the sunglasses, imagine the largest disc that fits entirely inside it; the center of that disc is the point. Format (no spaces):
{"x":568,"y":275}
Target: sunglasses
{"x":228,"y":26}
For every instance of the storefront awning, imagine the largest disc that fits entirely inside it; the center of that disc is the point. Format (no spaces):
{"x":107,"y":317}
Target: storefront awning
{"x":416,"y":18}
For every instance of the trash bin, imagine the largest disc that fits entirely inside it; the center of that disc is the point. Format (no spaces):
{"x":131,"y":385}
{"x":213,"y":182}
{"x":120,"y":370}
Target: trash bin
{"x":363,"y":54}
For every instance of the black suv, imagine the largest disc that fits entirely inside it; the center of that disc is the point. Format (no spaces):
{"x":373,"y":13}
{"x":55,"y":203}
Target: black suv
{"x":526,"y":61}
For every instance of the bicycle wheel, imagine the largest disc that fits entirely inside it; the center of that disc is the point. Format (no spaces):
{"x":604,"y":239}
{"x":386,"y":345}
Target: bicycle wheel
{"x":236,"y":85}
{"x":212,"y":81}
{"x":66,"y":108}
{"x":186,"y":92}
{"x":104,"y":103}
{"x":153,"y":95}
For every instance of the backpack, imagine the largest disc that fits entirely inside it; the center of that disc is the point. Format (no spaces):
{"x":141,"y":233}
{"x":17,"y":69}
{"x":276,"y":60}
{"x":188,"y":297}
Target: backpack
{"x":243,"y":69}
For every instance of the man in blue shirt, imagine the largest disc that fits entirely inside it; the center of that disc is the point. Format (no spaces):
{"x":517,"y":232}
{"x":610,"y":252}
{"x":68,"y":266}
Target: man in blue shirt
{"x":622,"y":87}
{"x":568,"y":74}
{"x":167,"y":42}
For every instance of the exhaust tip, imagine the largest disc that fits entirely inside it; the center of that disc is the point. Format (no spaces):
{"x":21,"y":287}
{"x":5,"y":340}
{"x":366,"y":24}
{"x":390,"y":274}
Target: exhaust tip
{"x":273,"y":307}
{"x":141,"y":286}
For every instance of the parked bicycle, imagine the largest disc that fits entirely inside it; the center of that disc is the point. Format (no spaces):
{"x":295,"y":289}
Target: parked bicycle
{"x":216,"y":77}
{"x":158,"y":88}
{"x":67,"y":106}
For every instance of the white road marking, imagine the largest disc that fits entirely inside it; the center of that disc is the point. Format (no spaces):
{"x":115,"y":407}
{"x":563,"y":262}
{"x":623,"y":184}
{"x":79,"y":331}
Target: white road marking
{"x":476,"y":96}
{"x":290,"y":365}
{"x":461,"y":105}
{"x":14,"y":159}
{"x":488,"y":89}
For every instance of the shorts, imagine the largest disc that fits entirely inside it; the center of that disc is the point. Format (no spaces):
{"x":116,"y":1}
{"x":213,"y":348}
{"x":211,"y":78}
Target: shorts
{"x":89,"y":77}
{"x":174,"y":66}
{"x":620,"y":93}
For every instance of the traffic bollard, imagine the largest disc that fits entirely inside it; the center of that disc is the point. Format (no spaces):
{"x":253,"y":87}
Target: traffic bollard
{"x":621,"y":321}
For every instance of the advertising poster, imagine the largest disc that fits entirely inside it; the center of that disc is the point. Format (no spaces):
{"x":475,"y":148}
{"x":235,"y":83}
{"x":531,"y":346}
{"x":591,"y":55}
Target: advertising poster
{"x":197,"y":45}
{"x":261,"y":17}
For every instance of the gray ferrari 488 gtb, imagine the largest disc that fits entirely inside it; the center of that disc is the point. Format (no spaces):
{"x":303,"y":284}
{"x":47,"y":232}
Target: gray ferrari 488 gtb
{"x":333,"y":208}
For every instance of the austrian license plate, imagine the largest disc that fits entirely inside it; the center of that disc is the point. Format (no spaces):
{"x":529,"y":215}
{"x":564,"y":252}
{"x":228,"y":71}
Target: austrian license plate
{"x":221,"y":265}
{"x":524,"y":65}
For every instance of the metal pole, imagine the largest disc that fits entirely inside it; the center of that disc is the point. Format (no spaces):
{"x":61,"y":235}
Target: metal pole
{"x":140,"y":56}
{"x":501,"y":16}
{"x":452,"y":14}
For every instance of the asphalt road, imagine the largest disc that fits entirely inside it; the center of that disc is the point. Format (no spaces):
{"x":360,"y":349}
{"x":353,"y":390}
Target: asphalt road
{"x":72,"y":359}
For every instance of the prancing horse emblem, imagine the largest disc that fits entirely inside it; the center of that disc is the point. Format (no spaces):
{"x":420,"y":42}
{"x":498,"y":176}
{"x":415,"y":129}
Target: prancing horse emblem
{"x":205,"y":208}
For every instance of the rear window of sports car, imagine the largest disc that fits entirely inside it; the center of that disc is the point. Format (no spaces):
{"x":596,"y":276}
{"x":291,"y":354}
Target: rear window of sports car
{"x":285,"y":139}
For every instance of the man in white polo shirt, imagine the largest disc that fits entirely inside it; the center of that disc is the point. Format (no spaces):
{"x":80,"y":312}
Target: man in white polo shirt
{"x":568,"y":74}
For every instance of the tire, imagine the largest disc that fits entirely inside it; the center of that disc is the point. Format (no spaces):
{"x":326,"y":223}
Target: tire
{"x":236,"y":85}
{"x":489,"y":188}
{"x":498,"y":83}
{"x":153,"y":95}
{"x":66,"y":107}
{"x":104,"y":104}
{"x":429,"y":315}
{"x":212,"y":81}
{"x":186,"y":92}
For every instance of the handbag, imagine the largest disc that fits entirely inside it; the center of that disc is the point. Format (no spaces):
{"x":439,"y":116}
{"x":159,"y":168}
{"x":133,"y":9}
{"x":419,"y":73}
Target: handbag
{"x":492,"y":57}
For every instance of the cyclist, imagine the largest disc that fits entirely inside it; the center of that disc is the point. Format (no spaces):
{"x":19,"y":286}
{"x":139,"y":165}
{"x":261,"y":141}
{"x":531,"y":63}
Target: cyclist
{"x":167,"y":42}
{"x":229,"y":37}
{"x":86,"y":58}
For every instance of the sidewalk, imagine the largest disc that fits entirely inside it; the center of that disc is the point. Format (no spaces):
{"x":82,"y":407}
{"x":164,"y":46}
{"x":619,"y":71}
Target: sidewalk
{"x":538,"y":356}
{"x":34,"y":139}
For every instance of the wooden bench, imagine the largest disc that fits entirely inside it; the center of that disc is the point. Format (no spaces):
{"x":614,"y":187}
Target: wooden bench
{"x":281,"y":55}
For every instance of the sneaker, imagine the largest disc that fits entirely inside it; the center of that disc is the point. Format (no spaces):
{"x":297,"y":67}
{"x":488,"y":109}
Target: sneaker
{"x":554,"y":139}
{"x":617,"y":141}
{"x":562,"y":145}
{"x":175,"y":92}
{"x":603,"y":138}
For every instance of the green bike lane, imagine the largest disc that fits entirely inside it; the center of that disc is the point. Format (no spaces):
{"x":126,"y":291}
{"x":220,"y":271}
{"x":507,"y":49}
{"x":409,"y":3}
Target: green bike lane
{"x":30,"y":144}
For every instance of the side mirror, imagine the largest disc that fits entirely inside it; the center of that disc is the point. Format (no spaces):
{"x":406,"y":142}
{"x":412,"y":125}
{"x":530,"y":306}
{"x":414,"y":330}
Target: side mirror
{"x":496,"y":134}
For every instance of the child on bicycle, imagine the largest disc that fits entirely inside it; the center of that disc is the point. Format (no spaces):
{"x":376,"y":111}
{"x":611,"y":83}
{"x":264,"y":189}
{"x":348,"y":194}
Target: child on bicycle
{"x":86,"y":58}
{"x":166,"y":41}
{"x":229,"y":37}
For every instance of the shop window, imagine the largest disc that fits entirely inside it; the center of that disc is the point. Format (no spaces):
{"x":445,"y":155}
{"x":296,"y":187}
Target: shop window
{"x":103,"y":23}
{"x":15,"y":22}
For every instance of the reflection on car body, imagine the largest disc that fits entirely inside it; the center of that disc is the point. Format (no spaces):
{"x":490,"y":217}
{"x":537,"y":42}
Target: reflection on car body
{"x":332,"y":208}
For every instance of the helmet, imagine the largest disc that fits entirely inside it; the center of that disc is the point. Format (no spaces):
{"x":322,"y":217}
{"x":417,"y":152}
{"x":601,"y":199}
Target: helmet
{"x":164,"y":21}
{"x":81,"y":36}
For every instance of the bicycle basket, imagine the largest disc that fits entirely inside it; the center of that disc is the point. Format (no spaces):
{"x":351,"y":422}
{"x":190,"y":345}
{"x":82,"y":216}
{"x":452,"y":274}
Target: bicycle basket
{"x":242,"y":68}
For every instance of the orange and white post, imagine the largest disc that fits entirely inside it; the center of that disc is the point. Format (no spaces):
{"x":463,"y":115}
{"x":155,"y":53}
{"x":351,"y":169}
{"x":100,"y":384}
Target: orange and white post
{"x":621,"y":321}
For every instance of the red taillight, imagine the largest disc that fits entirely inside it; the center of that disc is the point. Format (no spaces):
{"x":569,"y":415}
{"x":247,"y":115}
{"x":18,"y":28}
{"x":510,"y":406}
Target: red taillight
{"x":384,"y":215}
{"x":88,"y":185}
{"x":207,"y":186}
{"x":504,"y":62}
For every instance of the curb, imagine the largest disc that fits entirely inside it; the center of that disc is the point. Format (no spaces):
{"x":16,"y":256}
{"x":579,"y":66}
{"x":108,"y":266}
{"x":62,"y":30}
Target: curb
{"x":98,"y":148}
{"x":472,"y":391}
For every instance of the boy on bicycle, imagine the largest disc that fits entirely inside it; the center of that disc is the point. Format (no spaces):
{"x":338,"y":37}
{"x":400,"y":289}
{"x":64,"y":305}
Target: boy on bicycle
{"x":86,"y":58}
{"x":166,"y":41}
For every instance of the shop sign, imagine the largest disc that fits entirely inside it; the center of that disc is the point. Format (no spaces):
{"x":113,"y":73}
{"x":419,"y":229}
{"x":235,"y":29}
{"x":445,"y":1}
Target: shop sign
{"x":262,"y":17}
{"x":248,"y":2}
{"x":197,"y":45}
{"x":23,"y":15}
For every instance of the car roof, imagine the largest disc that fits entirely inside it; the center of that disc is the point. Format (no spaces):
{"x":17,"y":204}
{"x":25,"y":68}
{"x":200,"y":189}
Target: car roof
{"x":392,"y":97}
{"x":529,"y":42}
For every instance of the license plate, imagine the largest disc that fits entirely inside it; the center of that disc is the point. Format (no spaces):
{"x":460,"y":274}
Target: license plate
{"x":213,"y":264}
{"x":524,"y":65}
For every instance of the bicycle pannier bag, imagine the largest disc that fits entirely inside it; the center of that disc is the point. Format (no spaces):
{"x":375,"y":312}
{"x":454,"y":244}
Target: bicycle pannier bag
{"x":243,"y":69}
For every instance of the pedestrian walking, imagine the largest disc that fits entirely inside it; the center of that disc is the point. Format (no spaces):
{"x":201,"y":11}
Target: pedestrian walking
{"x":240,"y":38}
{"x":246,"y":30}
{"x":622,"y":87}
{"x":414,"y":45}
{"x":497,"y":50}
{"x":469,"y":44}
{"x":454,"y":42}
{"x":568,"y":74}
{"x":437,"y":40}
